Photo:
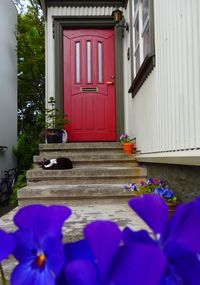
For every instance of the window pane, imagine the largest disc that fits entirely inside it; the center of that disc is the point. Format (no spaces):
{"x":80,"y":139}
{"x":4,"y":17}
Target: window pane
{"x":135,"y":4}
{"x":78,"y":62}
{"x":136,"y":31}
{"x":137,"y":59}
{"x":145,"y":10}
{"x":146,"y":41}
{"x":89,"y":74}
{"x":100,"y":62}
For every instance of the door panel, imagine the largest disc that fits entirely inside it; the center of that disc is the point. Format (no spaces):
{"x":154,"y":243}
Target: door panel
{"x":89,"y":90}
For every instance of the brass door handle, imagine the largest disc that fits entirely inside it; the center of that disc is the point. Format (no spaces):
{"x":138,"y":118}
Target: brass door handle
{"x":109,"y":83}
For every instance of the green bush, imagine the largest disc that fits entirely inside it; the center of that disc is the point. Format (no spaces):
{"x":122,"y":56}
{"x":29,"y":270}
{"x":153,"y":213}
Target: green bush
{"x":20,"y":182}
{"x":27,"y":146}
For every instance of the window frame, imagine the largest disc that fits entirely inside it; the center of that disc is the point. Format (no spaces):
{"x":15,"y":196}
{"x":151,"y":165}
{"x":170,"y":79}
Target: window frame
{"x":147,"y":62}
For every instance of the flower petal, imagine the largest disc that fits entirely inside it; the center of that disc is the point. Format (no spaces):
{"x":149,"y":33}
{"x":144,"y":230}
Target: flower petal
{"x":24,"y":274}
{"x":184,"y":264}
{"x":54,"y":251}
{"x":138,"y":264}
{"x":153,"y":210}
{"x":141,"y":236}
{"x":78,"y":250}
{"x":7,"y":244}
{"x":103,"y":238}
{"x":41,"y":220}
{"x":81,"y":272}
{"x":184,"y":226}
{"x":26,"y":248}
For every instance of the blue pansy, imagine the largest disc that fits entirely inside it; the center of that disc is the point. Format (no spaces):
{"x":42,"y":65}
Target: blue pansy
{"x":159,"y":191}
{"x":7,"y":244}
{"x":39,"y":249}
{"x":101,"y":259}
{"x":168,"y":193}
{"x":178,"y":238}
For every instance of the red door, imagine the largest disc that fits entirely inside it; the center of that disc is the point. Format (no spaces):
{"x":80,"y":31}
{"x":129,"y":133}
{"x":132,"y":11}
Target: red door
{"x":89,"y":91}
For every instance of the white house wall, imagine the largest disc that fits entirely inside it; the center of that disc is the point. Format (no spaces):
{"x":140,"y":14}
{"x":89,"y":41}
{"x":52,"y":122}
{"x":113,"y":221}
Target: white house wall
{"x":63,"y":11}
{"x":8,"y":83}
{"x":166,"y":110}
{"x":128,"y":118}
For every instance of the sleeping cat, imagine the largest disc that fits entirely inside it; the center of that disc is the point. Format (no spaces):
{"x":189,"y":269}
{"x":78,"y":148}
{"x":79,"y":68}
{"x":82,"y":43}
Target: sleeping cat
{"x":57,"y":163}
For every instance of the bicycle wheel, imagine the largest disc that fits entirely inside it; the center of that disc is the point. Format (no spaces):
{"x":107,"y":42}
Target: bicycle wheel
{"x":4,"y":192}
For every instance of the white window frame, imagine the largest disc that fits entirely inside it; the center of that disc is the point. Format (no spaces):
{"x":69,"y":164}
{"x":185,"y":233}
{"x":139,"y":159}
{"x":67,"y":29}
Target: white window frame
{"x":138,"y":14}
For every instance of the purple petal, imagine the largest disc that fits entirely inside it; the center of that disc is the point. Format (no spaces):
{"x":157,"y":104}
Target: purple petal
{"x":41,"y":220}
{"x":7,"y":244}
{"x":55,"y":257}
{"x":81,"y":272}
{"x":184,"y":226}
{"x":78,"y":250}
{"x":184,"y":264}
{"x":103,"y":238}
{"x":24,"y":274}
{"x":153,"y":210}
{"x":138,"y":264}
{"x":26,"y":247}
{"x":141,"y":236}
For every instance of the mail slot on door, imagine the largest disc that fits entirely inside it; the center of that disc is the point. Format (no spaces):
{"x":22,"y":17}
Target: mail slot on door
{"x":88,"y":89}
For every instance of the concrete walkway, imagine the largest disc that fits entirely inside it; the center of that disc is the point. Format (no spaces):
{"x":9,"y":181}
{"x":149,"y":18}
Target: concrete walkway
{"x":72,"y":229}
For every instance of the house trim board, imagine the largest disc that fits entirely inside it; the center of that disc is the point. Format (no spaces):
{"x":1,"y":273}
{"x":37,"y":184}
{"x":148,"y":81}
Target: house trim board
{"x":190,"y":157}
{"x":60,"y":23}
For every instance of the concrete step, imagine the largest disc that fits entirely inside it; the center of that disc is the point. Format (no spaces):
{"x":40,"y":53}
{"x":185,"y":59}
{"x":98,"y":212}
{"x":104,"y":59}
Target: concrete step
{"x":100,"y":175}
{"x":74,"y":194}
{"x":97,"y":159}
{"x":73,"y":227}
{"x":83,"y":147}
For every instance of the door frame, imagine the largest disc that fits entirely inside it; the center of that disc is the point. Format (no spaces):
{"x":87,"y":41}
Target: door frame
{"x":59,"y":24}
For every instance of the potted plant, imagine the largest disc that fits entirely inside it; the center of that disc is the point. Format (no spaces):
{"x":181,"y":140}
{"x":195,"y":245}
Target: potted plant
{"x":127,"y":143}
{"x":52,"y":123}
{"x":155,"y":186}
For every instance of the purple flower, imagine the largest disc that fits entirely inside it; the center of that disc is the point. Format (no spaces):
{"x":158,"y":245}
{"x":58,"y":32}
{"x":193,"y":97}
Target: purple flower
{"x":150,"y":181}
{"x":178,"y":239}
{"x":101,"y":259}
{"x":38,"y":244}
{"x":7,"y":244}
{"x":133,"y":187}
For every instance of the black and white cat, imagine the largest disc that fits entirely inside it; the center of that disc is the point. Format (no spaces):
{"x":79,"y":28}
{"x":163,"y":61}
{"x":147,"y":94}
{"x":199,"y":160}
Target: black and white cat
{"x":57,"y":163}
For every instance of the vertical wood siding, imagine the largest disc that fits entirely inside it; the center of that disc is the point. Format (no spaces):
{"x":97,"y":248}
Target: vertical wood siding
{"x":167,"y":107}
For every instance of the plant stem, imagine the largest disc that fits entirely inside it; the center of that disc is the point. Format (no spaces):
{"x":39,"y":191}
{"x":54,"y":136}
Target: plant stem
{"x":2,"y":275}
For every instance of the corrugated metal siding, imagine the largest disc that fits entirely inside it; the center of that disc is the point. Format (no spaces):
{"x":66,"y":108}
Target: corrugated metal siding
{"x":80,"y":11}
{"x":167,"y":107}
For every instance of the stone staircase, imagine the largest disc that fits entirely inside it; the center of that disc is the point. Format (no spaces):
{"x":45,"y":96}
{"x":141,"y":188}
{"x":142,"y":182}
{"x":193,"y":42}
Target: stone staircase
{"x":99,"y":172}
{"x":92,"y":189}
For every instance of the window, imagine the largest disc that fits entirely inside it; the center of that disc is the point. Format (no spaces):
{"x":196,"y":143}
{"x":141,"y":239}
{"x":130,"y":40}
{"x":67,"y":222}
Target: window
{"x":143,"y":41}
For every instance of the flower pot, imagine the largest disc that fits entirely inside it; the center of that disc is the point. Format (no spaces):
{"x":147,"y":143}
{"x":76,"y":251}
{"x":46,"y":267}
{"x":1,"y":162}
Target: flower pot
{"x":172,"y":208}
{"x":53,"y":138}
{"x":128,"y":147}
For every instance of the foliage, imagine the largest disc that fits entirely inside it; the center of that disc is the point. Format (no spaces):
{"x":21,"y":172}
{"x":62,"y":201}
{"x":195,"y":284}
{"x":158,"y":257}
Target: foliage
{"x":124,"y":138}
{"x":31,"y":62}
{"x":27,"y":146}
{"x":20,"y":182}
{"x":51,"y":118}
{"x":155,"y":186}
{"x":106,"y":255}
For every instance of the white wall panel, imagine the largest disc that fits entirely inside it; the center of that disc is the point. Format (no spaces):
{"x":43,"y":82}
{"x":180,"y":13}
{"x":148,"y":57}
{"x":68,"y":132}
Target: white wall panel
{"x":8,"y":83}
{"x":166,"y":110}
